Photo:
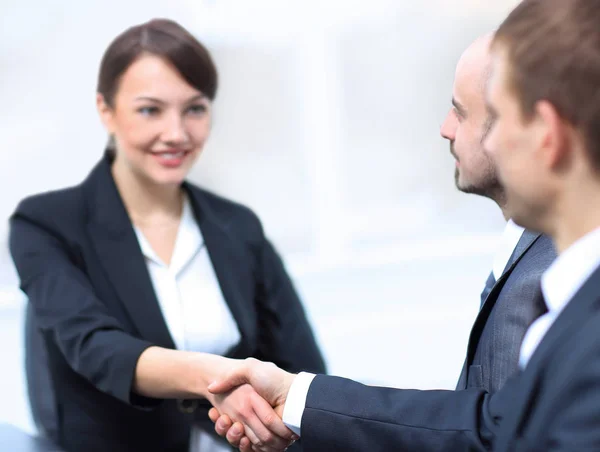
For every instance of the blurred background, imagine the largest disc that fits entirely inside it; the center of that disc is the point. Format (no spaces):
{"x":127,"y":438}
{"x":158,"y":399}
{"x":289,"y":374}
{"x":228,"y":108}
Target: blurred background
{"x":326,"y":124}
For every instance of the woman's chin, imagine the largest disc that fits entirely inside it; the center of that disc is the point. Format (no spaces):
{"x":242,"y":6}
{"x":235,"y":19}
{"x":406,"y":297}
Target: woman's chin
{"x":168,"y":178}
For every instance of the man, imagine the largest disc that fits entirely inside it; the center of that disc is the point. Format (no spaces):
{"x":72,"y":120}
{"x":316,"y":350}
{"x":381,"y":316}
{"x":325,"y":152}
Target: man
{"x":545,"y":98}
{"x":510,"y":301}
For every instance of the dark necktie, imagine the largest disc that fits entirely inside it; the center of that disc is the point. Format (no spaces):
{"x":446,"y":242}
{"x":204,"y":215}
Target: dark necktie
{"x":540,"y":305}
{"x":489,"y":284}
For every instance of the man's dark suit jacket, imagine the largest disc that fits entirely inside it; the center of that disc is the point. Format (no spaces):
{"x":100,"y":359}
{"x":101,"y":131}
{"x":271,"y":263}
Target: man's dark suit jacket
{"x":553,"y":405}
{"x":81,"y":267}
{"x":383,"y":419}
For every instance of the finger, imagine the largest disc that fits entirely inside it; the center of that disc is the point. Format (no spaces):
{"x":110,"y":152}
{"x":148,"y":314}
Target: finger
{"x":264,"y":449}
{"x":230,"y":381}
{"x":223,"y":425}
{"x":245,"y":445}
{"x":271,"y":420}
{"x":235,"y":434}
{"x":213,"y":414}
{"x":264,"y":436}
{"x":253,"y":437}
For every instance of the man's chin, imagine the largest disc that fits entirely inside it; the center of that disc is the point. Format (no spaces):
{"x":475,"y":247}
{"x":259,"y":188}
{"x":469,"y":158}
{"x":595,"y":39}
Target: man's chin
{"x":471,"y":189}
{"x":464,"y":187}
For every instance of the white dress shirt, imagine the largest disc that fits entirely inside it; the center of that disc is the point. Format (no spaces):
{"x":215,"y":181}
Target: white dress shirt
{"x":190,"y":298}
{"x":510,"y":237}
{"x":567,"y":274}
{"x":296,"y":398}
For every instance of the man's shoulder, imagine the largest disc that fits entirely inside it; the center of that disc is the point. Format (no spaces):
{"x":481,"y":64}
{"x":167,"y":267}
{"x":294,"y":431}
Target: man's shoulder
{"x":538,"y":257}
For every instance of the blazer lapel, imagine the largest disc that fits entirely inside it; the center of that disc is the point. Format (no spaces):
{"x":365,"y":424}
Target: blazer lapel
{"x":525,"y":242}
{"x":112,"y":235}
{"x":569,"y":320}
{"x":226,"y":257}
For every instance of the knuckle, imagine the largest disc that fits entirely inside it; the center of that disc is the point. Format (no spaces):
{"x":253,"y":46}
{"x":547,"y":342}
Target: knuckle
{"x":253,"y":397}
{"x":267,"y":438}
{"x":231,"y":438}
{"x":270,"y":420}
{"x":246,"y":409}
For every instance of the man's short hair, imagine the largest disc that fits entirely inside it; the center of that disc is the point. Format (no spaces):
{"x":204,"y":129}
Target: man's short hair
{"x":553,"y":50}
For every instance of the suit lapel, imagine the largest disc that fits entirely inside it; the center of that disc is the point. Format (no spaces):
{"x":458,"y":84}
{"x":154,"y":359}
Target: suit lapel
{"x":226,"y":257}
{"x":525,"y":242}
{"x":566,"y":324}
{"x":523,"y":245}
{"x":112,"y":235}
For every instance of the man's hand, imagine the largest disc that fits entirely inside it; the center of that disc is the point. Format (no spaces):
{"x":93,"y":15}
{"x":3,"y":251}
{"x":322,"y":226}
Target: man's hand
{"x":262,"y":427}
{"x":269,"y":382}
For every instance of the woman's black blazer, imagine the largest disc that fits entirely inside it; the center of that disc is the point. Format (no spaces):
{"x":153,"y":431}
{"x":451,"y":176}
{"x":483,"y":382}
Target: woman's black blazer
{"x":84,"y":274}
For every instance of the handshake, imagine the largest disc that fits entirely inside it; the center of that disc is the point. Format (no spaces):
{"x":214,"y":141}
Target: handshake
{"x":248,"y":399}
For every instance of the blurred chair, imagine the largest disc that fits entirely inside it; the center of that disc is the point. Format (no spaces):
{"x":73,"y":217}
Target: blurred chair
{"x":39,"y":382}
{"x":13,"y":439}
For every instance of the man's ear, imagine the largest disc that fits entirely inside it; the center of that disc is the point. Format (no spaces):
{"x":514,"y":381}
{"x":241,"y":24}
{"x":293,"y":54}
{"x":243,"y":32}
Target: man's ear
{"x":554,"y":135}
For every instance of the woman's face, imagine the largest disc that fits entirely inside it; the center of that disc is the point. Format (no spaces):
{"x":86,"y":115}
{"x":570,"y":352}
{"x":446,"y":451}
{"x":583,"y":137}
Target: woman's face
{"x":159,"y":122}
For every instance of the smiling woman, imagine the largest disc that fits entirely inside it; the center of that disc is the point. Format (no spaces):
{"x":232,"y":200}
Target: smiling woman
{"x":155,"y":89}
{"x":140,"y":282}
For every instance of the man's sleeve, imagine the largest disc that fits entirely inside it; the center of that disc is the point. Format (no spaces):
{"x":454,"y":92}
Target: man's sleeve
{"x":343,"y":415}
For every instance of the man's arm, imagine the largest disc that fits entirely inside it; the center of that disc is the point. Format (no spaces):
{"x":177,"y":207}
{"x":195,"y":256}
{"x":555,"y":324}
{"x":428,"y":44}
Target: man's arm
{"x":341,"y":414}
{"x":383,"y":419}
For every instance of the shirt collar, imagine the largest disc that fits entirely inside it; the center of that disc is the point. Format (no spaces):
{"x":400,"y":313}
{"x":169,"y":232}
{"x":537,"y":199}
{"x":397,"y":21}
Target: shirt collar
{"x":570,"y":270}
{"x":508,"y":242}
{"x":513,"y":229}
{"x":188,"y":243}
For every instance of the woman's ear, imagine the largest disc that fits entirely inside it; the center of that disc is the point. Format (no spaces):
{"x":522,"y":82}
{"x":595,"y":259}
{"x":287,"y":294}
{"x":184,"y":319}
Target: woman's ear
{"x":105,"y":112}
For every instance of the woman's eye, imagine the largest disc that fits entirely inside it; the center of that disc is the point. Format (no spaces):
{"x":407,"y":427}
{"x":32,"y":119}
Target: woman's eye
{"x":197,"y":109}
{"x":148,"y":111}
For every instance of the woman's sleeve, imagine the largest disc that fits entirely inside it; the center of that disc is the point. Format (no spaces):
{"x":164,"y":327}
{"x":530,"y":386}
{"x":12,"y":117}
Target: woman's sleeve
{"x":66,"y":308}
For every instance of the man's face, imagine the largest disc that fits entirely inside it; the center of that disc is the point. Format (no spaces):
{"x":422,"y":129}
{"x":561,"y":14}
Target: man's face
{"x":465,"y":128}
{"x":515,"y":146}
{"x":467,"y":124}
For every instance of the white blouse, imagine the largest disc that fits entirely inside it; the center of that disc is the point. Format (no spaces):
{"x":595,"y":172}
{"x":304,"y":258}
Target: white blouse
{"x":192,"y":303}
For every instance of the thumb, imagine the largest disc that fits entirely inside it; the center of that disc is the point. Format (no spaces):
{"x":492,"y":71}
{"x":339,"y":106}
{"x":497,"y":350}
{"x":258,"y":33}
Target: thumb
{"x":279,"y":410}
{"x":228,"y":382}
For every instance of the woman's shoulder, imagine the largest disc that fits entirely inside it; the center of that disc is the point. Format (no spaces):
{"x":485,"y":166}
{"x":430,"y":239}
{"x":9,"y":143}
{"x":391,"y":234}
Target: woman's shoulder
{"x":52,"y":205}
{"x":224,"y":209}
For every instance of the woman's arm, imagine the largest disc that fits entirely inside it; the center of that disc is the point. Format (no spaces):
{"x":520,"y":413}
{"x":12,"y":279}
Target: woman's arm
{"x":96,"y":346}
{"x":92,"y":341}
{"x":165,"y":373}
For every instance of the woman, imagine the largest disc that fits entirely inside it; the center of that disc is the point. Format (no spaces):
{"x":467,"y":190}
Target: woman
{"x":138,"y":279}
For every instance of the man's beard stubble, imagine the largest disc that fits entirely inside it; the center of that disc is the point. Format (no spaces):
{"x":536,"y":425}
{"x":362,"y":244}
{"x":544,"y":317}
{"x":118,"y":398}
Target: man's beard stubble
{"x":487,"y":186}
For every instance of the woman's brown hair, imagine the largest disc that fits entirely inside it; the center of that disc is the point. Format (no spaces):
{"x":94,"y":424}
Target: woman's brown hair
{"x":163,"y":38}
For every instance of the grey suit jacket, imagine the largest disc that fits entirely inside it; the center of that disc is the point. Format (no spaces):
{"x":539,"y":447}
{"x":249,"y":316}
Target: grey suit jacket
{"x":384,"y":419}
{"x":513,"y":304}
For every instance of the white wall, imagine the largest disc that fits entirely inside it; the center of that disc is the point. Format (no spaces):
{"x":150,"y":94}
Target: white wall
{"x":326,"y":124}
